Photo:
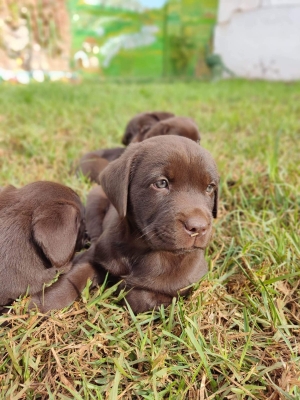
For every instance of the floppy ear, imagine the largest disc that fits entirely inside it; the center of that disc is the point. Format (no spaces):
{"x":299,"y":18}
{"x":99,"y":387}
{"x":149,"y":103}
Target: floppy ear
{"x":215,"y":207}
{"x":142,"y":134}
{"x":166,"y":128}
{"x":55,"y":229}
{"x":161,"y":128}
{"x":127,"y":137}
{"x":160,"y":115}
{"x":144,"y":129}
{"x":115,"y":180}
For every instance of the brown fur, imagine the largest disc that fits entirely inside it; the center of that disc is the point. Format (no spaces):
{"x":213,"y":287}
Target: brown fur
{"x":180,"y":126}
{"x":141,"y":123}
{"x":141,"y":127}
{"x":91,"y":164}
{"x":41,"y":227}
{"x":152,"y":238}
{"x":94,"y":162}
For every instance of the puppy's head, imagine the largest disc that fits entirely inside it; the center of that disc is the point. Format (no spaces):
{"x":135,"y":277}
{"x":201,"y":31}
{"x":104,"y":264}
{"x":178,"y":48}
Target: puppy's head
{"x":180,"y":126}
{"x":139,"y":125}
{"x":58,"y":223}
{"x":167,"y":187}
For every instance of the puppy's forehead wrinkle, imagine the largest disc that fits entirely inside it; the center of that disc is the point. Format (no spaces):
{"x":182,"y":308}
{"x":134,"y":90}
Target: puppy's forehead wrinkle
{"x":170,"y":158}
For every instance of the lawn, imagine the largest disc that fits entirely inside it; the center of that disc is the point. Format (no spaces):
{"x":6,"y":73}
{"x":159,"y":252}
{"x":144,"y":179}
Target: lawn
{"x":238,"y":335}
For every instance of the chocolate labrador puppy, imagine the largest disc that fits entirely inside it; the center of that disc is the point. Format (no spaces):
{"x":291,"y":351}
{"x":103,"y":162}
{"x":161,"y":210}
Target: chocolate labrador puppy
{"x":41,"y":227}
{"x":180,"y":126}
{"x":141,"y":123}
{"x":93,"y":163}
{"x":150,"y":223}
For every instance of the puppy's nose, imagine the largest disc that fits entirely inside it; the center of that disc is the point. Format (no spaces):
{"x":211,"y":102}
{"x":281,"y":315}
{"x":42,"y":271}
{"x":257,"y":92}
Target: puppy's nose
{"x":195,"y":226}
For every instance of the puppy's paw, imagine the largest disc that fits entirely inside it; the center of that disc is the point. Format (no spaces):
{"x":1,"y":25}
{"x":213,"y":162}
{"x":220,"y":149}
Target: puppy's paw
{"x":36,"y":303}
{"x":141,"y":300}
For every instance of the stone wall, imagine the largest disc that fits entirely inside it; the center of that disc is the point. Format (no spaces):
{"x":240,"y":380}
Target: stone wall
{"x":259,"y":38}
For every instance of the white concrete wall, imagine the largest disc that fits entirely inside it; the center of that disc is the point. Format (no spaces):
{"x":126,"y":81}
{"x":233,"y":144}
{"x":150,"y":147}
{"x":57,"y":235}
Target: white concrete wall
{"x":260,"y":38}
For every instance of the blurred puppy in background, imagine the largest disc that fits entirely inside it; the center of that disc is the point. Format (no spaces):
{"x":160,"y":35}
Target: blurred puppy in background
{"x":141,"y":123}
{"x":141,"y":127}
{"x":180,"y":126}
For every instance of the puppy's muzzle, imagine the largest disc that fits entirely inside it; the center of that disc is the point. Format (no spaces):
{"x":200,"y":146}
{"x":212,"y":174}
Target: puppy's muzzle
{"x":196,"y":226}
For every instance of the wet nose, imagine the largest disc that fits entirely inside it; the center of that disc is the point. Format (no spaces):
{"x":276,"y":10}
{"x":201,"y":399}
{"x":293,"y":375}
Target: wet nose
{"x":195,"y":226}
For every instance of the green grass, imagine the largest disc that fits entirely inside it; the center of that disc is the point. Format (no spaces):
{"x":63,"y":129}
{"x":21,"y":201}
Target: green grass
{"x":238,"y":335}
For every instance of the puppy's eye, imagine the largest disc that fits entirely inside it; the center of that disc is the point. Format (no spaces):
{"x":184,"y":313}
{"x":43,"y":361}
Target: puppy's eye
{"x":210,"y":188}
{"x":161,"y":184}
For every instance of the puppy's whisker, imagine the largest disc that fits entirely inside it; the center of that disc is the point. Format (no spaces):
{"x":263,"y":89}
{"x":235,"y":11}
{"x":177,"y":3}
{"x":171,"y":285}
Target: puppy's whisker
{"x":194,"y":234}
{"x":154,"y":234}
{"x":150,"y":237}
{"x":147,"y":232}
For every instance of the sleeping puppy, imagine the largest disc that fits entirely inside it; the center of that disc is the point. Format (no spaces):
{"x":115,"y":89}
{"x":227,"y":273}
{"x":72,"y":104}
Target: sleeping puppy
{"x":180,"y":126}
{"x":41,"y":227}
{"x":141,"y":123}
{"x":150,"y":223}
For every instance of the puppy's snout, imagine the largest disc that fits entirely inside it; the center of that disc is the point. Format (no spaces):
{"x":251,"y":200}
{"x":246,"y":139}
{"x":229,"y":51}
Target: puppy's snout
{"x":195,"y":226}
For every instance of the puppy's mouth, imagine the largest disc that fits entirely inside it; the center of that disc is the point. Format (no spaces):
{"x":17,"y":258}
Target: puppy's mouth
{"x":179,"y":246}
{"x":176,"y":242}
{"x":187,"y":250}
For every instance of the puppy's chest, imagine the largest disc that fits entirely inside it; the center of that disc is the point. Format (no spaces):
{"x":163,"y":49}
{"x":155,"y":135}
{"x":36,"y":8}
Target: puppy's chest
{"x":167,"y":275}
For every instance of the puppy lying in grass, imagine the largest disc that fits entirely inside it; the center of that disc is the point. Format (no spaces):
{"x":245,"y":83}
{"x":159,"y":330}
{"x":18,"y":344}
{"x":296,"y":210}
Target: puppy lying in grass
{"x":41,"y":227}
{"x":138,"y":130}
{"x":141,"y":123}
{"x":149,"y":222}
{"x":181,"y":126}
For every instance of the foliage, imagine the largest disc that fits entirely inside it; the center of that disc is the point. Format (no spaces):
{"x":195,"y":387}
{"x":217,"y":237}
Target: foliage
{"x":173,"y":47}
{"x":181,"y":50}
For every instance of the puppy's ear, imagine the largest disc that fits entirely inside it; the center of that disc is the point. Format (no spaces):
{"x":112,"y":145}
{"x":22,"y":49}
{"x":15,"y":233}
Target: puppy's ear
{"x":161,"y":128}
{"x":144,"y":129}
{"x":115,"y":180}
{"x":142,"y":134}
{"x":215,"y":207}
{"x":127,"y":137}
{"x":55,"y":229}
{"x":166,"y":128}
{"x":160,"y":115}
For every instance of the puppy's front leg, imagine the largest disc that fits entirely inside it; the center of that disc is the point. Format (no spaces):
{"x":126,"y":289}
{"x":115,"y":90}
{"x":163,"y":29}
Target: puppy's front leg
{"x":141,"y":300}
{"x":96,"y":209}
{"x":66,"y":289}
